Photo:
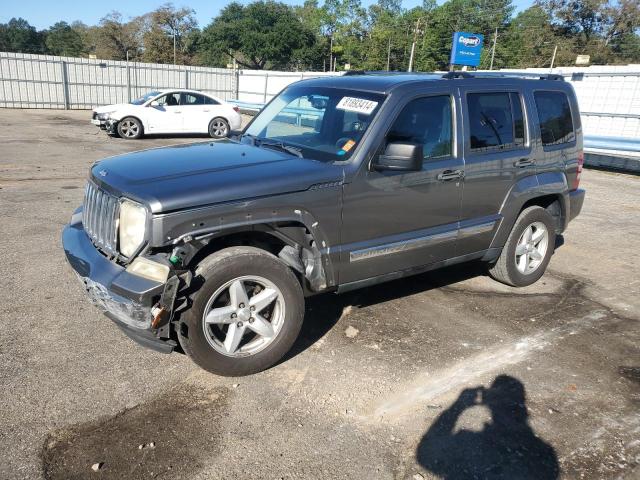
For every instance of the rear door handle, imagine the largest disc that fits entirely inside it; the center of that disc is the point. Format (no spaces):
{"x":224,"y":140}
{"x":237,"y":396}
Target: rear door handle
{"x":450,"y":175}
{"x":524,"y":162}
{"x":177,"y":111}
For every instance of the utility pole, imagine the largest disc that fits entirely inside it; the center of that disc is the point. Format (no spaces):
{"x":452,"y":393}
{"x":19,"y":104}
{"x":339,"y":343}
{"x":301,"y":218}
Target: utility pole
{"x":553,"y":58}
{"x":493,"y":50}
{"x":389,"y":54}
{"x":174,"y":47}
{"x":331,"y":54}
{"x":413,"y":45}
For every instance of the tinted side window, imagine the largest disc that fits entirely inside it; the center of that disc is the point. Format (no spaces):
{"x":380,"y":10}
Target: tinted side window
{"x":426,"y":121}
{"x":554,"y":114}
{"x":192,"y":99}
{"x":495,"y":121}
{"x":210,"y":101}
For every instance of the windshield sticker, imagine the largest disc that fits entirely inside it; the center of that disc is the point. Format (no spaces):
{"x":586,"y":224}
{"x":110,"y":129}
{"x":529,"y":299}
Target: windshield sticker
{"x":360,"y":105}
{"x":348,"y":146}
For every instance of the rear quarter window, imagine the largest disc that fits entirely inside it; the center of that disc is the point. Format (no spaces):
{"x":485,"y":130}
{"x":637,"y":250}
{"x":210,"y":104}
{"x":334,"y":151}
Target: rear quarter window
{"x":554,"y":115}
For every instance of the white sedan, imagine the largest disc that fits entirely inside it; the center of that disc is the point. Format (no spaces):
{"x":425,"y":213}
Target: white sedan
{"x":169,"y":111}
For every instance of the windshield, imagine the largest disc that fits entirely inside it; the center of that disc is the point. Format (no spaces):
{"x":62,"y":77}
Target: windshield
{"x":322,"y":123}
{"x":145,"y":97}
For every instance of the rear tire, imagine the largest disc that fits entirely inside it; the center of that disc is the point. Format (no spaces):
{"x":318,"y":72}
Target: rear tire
{"x":130,"y":128}
{"x":219,"y":128}
{"x":267,"y":325}
{"x":528,"y":250}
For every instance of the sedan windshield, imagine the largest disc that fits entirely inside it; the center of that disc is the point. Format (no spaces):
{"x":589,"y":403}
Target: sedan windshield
{"x":145,"y":97}
{"x":322,"y":123}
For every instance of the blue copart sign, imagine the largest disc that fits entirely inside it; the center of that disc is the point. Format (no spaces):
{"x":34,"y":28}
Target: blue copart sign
{"x":466,"y":49}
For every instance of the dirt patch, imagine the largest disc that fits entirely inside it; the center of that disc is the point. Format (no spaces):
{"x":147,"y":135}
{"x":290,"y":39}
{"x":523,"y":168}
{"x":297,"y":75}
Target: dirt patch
{"x":177,"y":432}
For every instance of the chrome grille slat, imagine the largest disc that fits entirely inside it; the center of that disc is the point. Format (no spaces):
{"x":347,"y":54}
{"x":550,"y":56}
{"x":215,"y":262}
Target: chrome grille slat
{"x":99,"y":218}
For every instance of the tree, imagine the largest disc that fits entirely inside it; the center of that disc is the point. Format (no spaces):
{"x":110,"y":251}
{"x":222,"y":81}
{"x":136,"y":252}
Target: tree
{"x":595,"y":27}
{"x":169,"y":35}
{"x":258,"y":35}
{"x":115,"y":37}
{"x":18,"y":36}
{"x":63,"y":40}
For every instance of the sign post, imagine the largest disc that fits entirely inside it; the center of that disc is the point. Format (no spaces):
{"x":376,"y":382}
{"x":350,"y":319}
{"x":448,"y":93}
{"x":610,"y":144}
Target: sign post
{"x":466,"y":49}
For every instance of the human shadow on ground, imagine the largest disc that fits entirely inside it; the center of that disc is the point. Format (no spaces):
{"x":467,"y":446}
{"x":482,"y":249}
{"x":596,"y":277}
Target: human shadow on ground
{"x":506,"y":448}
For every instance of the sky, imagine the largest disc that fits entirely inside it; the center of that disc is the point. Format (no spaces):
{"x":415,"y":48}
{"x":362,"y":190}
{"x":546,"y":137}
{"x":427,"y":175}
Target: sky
{"x":44,"y":13}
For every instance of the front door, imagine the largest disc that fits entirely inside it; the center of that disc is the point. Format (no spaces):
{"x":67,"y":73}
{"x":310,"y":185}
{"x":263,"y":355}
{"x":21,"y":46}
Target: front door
{"x":166,"y":116}
{"x":393,"y":221}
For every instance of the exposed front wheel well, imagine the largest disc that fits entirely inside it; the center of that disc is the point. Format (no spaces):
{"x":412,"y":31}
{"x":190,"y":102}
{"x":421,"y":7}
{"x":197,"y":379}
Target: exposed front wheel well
{"x":291,"y":242}
{"x":250,"y":238}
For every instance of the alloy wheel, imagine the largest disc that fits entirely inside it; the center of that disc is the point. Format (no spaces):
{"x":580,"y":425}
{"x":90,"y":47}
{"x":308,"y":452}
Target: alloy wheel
{"x":243,"y":316}
{"x":129,"y":128}
{"x":219,"y":128}
{"x":531,"y":248}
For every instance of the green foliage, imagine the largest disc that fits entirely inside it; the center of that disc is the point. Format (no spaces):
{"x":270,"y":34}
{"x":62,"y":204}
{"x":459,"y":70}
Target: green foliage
{"x":329,"y":34}
{"x":18,"y":36}
{"x":62,"y":39}
{"x":259,"y":35}
{"x":169,"y":35}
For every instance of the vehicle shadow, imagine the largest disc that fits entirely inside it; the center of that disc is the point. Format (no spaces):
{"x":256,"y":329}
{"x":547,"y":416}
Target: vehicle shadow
{"x":323,"y":311}
{"x":506,"y":448}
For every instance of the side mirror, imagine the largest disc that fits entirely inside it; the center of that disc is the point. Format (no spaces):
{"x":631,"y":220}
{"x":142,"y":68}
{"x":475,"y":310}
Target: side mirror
{"x":402,"y":156}
{"x":155,"y":103}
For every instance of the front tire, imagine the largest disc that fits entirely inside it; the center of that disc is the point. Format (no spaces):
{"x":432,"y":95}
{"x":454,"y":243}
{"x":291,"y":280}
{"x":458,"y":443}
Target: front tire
{"x":528,"y":250}
{"x":246,"y":313}
{"x":219,"y":128}
{"x":130,"y":128}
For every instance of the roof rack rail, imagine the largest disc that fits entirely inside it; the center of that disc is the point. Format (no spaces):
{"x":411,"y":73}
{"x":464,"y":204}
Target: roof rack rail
{"x":350,"y":73}
{"x":540,"y":76}
{"x":459,"y":74}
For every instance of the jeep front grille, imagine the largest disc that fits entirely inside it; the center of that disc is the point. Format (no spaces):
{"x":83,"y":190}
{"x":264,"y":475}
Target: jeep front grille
{"x":100,"y":217}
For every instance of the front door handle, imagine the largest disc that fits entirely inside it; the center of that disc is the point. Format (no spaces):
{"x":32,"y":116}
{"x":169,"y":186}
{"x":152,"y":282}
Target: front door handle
{"x":177,"y":111}
{"x":524,"y":162}
{"x":450,"y":175}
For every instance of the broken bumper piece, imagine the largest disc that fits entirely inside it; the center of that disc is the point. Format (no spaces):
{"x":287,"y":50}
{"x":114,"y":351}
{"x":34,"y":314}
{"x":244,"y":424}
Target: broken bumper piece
{"x":125,"y":298}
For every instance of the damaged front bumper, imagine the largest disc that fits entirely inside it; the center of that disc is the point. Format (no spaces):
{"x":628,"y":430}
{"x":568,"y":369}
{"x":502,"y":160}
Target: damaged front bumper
{"x":109,"y":125}
{"x":125,"y":298}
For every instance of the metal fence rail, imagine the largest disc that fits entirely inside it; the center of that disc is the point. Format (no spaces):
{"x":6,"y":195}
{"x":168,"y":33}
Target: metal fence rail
{"x":43,"y":81}
{"x":609,"y":96}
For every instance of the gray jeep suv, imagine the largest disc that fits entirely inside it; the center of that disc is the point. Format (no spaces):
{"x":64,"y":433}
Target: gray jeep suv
{"x":338,"y":183}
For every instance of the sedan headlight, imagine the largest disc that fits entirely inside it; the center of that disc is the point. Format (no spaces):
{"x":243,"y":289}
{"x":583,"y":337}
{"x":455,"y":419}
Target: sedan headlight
{"x":133,"y":222}
{"x":104,"y":115}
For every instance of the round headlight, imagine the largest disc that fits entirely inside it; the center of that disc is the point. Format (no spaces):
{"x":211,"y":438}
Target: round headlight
{"x":133,"y":222}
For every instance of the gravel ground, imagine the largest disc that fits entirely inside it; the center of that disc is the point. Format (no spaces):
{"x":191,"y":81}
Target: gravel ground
{"x":443,"y":375}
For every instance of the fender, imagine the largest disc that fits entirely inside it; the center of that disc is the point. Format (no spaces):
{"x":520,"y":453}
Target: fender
{"x":525,"y":190}
{"x":314,"y":255}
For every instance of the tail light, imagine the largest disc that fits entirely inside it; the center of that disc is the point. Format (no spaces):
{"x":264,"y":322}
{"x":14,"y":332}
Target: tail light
{"x":576,"y":182}
{"x":236,"y":109}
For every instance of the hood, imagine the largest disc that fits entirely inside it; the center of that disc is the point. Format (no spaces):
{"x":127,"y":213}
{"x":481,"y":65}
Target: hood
{"x":111,"y":108}
{"x":188,"y":176}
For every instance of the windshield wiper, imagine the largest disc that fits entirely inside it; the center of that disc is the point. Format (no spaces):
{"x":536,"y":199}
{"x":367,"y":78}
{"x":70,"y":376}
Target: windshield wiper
{"x":259,"y":142}
{"x":285,"y":148}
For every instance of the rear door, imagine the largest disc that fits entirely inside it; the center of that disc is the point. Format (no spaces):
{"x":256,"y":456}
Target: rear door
{"x":166,"y":117}
{"x":497,"y":153}
{"x":196,"y":112}
{"x":393,"y":221}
